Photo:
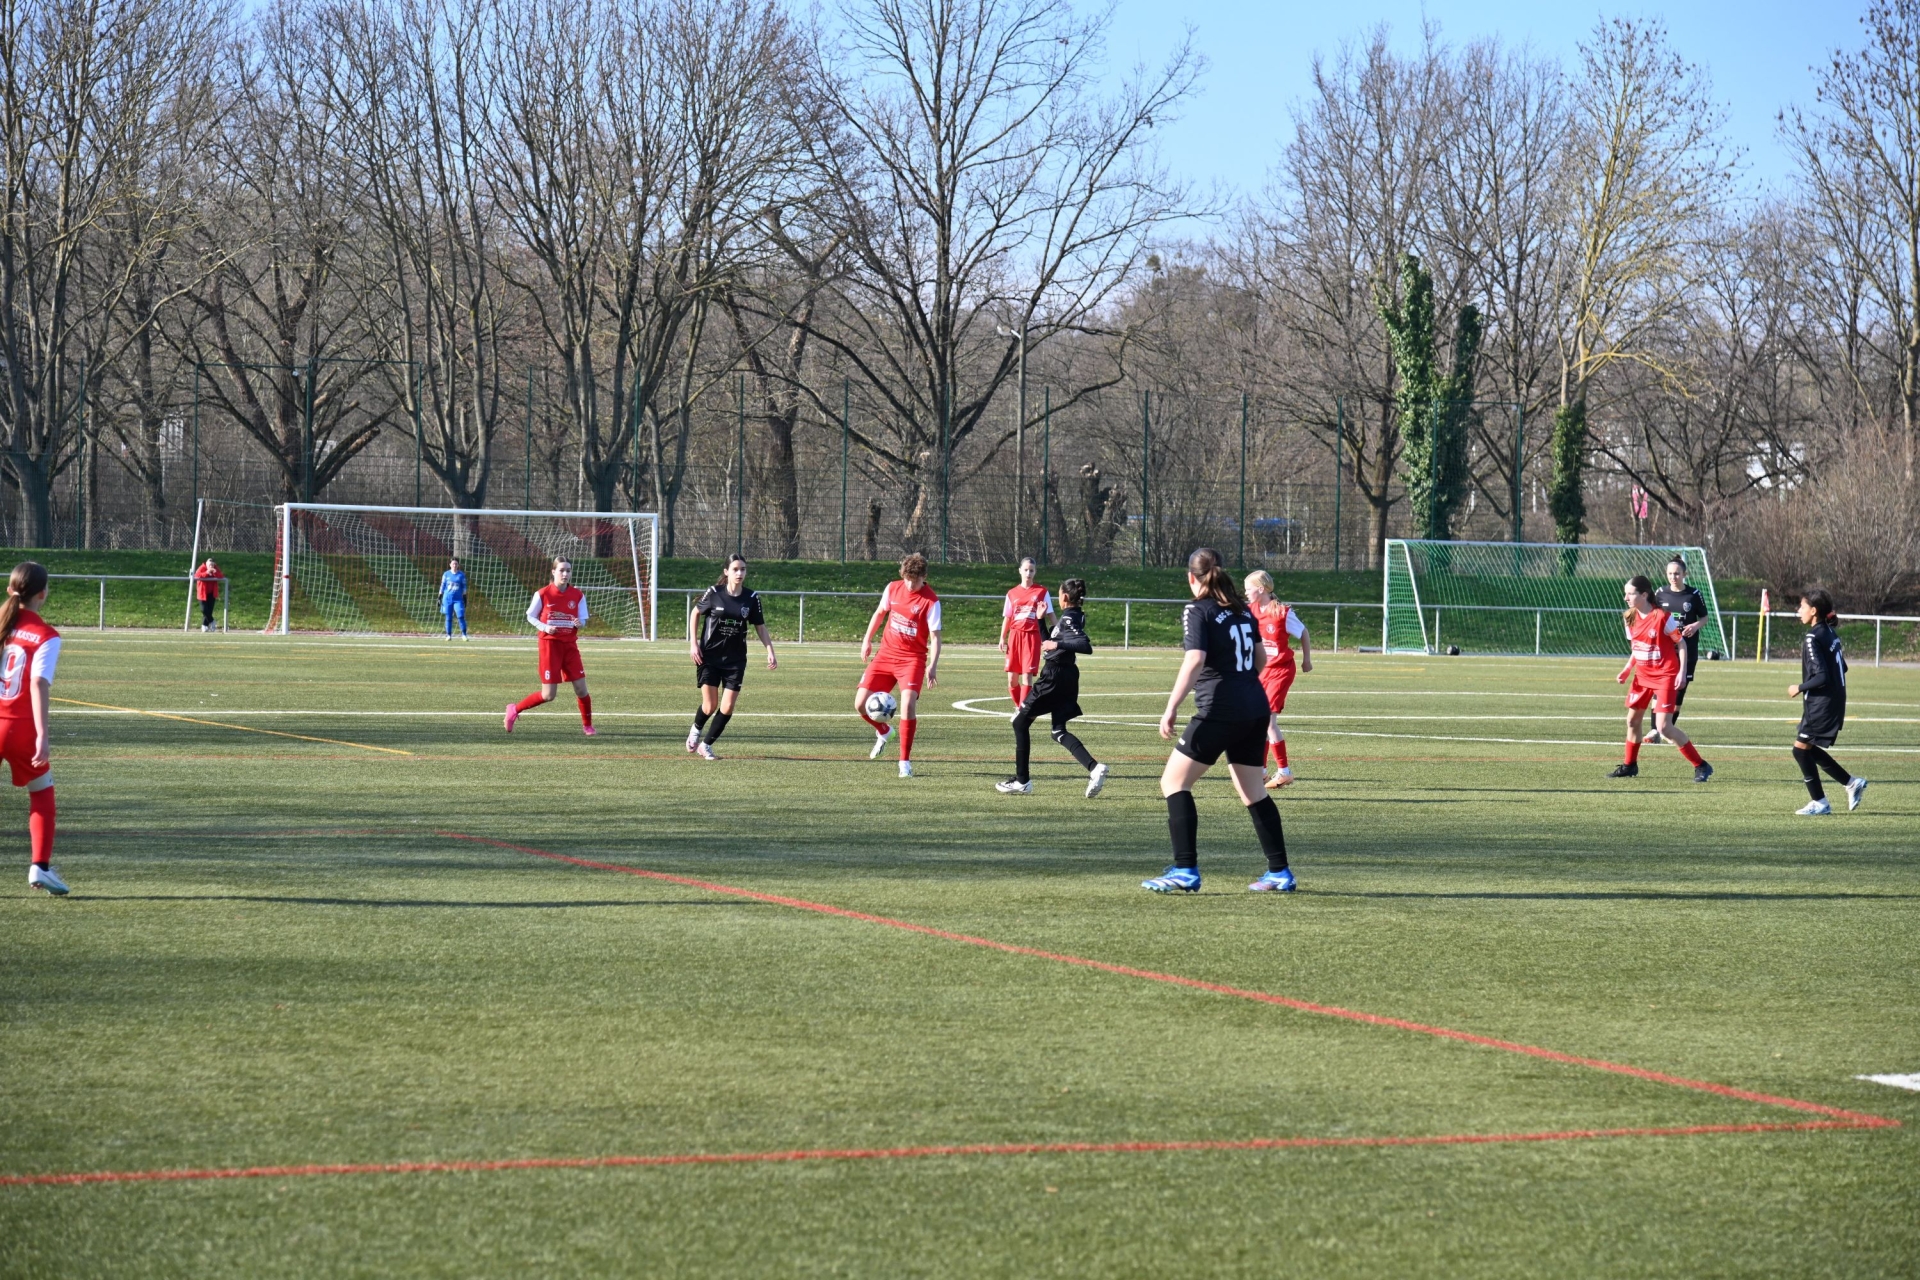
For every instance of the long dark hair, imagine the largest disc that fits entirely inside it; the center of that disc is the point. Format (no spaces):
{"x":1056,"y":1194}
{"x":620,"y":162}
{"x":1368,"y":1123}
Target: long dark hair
{"x":1818,"y":597}
{"x":1203,"y":566}
{"x":735,"y":558}
{"x":29,"y":580}
{"x":1641,"y":586}
{"x":1072,"y":592}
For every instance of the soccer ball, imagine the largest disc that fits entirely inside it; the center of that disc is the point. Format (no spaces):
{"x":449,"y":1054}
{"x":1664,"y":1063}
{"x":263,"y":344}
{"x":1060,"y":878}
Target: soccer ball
{"x":881,"y":706}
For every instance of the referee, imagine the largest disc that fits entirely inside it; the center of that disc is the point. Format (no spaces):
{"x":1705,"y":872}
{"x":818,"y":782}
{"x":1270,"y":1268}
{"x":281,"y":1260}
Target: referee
{"x":719,"y":650}
{"x":1689,"y":608}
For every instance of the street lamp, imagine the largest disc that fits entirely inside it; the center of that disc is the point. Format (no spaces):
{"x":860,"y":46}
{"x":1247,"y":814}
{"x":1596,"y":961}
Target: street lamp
{"x":1019,"y":439}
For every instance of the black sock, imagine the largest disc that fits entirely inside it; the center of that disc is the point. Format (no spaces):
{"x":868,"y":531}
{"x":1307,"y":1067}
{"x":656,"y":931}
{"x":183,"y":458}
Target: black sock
{"x":1832,"y":766}
{"x":1022,"y":747}
{"x":1075,"y":748}
{"x":1803,"y":756}
{"x":700,"y":720}
{"x":1183,"y":825}
{"x":1273,"y":841}
{"x":717,"y":727}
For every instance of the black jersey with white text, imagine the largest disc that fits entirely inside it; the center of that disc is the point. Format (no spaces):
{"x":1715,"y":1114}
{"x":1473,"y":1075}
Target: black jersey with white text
{"x":724,"y":620}
{"x":1823,"y":666}
{"x":1687,"y":606}
{"x":1227,"y":687}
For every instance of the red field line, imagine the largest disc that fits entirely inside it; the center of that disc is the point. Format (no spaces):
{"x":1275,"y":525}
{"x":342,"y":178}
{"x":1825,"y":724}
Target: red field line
{"x":1853,"y":1119}
{"x":894,"y":1153}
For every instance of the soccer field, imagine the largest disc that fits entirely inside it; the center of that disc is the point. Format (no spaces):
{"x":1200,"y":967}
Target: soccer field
{"x":351,"y":983}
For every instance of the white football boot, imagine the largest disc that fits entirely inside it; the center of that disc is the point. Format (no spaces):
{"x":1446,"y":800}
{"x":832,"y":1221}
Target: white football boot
{"x":47,"y":878}
{"x":1096,"y":779}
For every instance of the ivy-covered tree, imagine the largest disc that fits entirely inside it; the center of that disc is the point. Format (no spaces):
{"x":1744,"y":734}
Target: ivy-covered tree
{"x":1432,"y":408}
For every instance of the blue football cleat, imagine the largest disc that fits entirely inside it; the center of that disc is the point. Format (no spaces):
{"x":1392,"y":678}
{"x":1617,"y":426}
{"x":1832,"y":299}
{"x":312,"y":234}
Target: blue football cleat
{"x":1274,"y":882}
{"x":1176,"y":880}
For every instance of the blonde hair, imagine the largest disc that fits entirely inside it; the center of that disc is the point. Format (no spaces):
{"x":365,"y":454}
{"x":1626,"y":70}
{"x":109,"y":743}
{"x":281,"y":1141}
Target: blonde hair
{"x":1259,"y":578}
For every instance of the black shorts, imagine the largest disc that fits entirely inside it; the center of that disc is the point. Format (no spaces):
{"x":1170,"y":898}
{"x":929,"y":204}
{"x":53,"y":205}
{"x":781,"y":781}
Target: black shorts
{"x":1243,"y":742}
{"x":1820,"y":721}
{"x":1054,"y":696}
{"x":726,"y":675}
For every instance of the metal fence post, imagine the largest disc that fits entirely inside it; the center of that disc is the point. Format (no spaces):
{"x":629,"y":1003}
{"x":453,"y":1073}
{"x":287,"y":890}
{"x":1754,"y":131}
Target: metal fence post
{"x":226,"y":603}
{"x":103,"y":611}
{"x":1876,"y":642}
{"x":802,"y":637}
{"x":1536,"y":633}
{"x":1126,"y":635}
{"x":1336,"y":628}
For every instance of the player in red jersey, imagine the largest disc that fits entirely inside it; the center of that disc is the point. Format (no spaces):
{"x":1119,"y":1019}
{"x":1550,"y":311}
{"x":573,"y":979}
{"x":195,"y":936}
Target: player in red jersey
{"x":1020,"y":630}
{"x":29,"y":652}
{"x":1277,"y":621}
{"x":558,"y":612}
{"x":909,"y":654}
{"x":1653,"y":669}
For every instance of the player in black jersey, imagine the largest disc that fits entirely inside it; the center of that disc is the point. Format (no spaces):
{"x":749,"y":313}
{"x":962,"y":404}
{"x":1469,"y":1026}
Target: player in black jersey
{"x":1056,"y":693}
{"x":719,"y":625}
{"x":1689,"y":608}
{"x":1823,"y":690}
{"x":1222,"y":668}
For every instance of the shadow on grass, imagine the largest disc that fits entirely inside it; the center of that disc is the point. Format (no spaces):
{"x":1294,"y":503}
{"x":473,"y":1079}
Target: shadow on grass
{"x":1627,"y":895}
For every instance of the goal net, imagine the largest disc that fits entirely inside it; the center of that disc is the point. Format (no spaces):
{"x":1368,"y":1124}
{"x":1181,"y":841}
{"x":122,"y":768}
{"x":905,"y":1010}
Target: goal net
{"x":1525,"y":597}
{"x":377,"y":569}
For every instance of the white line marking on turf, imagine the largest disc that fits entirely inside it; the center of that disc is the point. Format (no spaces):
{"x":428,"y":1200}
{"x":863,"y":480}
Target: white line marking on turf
{"x":1899,"y":1082}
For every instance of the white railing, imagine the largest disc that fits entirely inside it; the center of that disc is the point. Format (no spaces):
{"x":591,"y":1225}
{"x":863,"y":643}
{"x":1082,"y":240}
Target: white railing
{"x":104,"y":578}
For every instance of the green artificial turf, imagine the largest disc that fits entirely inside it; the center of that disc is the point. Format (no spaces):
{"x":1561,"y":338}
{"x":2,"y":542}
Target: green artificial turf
{"x":275,"y":955}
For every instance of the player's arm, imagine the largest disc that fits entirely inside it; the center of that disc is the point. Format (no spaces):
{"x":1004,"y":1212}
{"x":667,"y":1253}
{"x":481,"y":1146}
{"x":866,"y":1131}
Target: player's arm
{"x":766,"y":638}
{"x":933,"y":646}
{"x":1298,"y":630}
{"x":1070,"y":638}
{"x":1182,"y":684}
{"x":42,"y":695}
{"x":1006,"y":621}
{"x":533,"y":616}
{"x":866,"y":641}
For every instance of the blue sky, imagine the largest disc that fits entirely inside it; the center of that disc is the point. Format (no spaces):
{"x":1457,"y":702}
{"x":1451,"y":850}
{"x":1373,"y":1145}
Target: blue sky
{"x":1757,"y":52}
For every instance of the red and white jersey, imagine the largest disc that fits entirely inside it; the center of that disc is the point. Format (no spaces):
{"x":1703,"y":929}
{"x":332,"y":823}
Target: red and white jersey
{"x":912,"y":618}
{"x":558,"y":609}
{"x":31,"y":653}
{"x":1277,"y":623}
{"x":1654,"y":651}
{"x":1025,"y":607}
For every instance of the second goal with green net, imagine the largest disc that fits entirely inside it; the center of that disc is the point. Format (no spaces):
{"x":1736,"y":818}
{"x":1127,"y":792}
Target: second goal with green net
{"x":1525,"y":597}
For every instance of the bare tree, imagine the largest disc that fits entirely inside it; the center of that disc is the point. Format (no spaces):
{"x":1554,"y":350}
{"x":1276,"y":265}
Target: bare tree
{"x":1860,"y":162}
{"x":980,"y":184}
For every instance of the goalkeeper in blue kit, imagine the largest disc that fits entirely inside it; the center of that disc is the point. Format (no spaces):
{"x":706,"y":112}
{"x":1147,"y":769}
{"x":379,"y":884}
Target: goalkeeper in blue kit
{"x":453,"y":598}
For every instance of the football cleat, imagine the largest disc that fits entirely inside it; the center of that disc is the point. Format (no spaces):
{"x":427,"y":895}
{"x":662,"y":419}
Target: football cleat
{"x":47,"y":878}
{"x":589,"y":730}
{"x":1280,"y":881}
{"x":906,"y":768}
{"x":1702,"y":771}
{"x":1813,"y":809}
{"x":1652,"y":737}
{"x":1096,"y":779}
{"x":879,"y":745}
{"x":1855,"y":790}
{"x":704,"y":751}
{"x":465,"y":636}
{"x":449,"y":635}
{"x":1625,"y":771}
{"x":1284,"y":778}
{"x":693,"y":740}
{"x":1014,"y":787}
{"x":1176,"y":880}
{"x":513,"y":714}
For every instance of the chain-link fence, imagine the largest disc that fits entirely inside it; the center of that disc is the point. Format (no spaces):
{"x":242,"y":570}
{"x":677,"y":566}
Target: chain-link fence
{"x":1126,"y":475}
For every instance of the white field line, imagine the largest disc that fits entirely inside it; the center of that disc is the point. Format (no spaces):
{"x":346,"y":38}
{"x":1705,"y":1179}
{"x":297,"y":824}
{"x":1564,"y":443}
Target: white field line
{"x":964,"y":705}
{"x":1911,"y":1081}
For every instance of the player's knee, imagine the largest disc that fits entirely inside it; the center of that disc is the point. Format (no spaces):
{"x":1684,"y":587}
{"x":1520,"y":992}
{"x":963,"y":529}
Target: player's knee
{"x":1060,"y":734}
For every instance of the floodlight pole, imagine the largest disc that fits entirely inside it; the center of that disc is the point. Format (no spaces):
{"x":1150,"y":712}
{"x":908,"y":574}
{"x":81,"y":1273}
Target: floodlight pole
{"x":1046,"y":465}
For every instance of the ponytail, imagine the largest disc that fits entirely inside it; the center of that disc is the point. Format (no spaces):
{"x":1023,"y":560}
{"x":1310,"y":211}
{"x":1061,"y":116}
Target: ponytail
{"x":28,"y":580}
{"x":1203,"y":566}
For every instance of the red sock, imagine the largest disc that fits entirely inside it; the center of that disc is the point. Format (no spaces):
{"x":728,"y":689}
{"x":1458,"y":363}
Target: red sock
{"x":586,"y":710}
{"x":529,"y":702}
{"x":1692,"y":755}
{"x":878,"y":726}
{"x":906,"y":738}
{"x":40,"y":825}
{"x":1280,"y":753}
{"x":1014,"y":691}
{"x":1633,"y":751}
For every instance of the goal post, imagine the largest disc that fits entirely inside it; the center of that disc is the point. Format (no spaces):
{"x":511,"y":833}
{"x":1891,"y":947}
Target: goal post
{"x":376,"y":570}
{"x":1540,"y":598}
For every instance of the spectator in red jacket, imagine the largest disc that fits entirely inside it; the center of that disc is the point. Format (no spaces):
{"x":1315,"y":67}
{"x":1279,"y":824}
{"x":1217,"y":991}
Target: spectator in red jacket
{"x":206,"y":585}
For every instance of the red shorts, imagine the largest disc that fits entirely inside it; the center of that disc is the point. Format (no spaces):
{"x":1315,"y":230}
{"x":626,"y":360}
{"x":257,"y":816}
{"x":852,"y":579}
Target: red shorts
{"x":1023,"y":653}
{"x":1277,"y":686}
{"x":1655,"y":690}
{"x":560,"y":659}
{"x":883,"y":673}
{"x":16,"y":748}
